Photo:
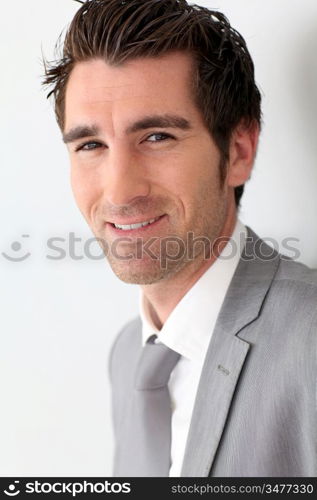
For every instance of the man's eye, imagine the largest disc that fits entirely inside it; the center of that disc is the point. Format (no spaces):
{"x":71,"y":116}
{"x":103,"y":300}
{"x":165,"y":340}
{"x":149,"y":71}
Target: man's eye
{"x":89,"y":146}
{"x":159,"y":137}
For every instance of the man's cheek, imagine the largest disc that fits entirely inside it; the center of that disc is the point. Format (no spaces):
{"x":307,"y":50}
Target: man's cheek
{"x":81,"y":190}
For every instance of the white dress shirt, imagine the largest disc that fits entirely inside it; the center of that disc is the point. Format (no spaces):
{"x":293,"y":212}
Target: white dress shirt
{"x":188,"y":330}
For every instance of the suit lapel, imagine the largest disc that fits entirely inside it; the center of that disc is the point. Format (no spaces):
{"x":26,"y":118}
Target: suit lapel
{"x":227,"y":353}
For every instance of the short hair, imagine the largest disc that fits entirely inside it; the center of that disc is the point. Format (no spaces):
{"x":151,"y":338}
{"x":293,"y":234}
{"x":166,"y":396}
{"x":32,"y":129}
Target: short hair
{"x":224,"y":87}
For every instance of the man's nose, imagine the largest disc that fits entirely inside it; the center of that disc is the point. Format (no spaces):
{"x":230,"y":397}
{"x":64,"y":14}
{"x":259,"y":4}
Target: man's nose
{"x":125,"y":179}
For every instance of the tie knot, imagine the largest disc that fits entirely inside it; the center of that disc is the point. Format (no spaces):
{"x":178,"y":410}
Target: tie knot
{"x":155,"y":365}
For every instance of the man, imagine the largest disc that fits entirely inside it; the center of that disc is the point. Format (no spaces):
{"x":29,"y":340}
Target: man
{"x":159,"y":109}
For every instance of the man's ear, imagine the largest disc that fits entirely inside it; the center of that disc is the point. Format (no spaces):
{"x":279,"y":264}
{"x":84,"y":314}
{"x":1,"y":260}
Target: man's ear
{"x":242,"y":151}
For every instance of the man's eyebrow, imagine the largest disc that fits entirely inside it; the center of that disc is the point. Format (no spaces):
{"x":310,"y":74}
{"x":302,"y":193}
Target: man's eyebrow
{"x":80,"y":132}
{"x":159,"y":121}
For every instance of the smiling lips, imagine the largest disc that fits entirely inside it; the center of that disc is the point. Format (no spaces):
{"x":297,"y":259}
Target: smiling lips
{"x":127,"y":227}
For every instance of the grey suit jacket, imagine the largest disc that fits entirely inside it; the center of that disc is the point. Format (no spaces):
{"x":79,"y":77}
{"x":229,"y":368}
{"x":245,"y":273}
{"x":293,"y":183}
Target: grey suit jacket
{"x":255,"y":412}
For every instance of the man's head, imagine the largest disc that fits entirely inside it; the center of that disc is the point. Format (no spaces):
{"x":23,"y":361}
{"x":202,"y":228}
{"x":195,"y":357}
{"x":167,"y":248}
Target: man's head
{"x":165,"y":93}
{"x":117,"y":31}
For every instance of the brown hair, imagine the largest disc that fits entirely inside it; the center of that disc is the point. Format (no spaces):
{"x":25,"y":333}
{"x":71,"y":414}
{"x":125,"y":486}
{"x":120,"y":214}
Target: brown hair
{"x":119,"y":30}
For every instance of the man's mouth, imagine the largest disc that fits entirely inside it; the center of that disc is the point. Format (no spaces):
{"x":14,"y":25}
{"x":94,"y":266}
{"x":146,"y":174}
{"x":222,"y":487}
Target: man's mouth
{"x":138,"y":225}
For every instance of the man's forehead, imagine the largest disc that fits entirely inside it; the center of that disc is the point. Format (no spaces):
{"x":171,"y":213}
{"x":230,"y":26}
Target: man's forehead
{"x":144,"y":86}
{"x":96,"y":75}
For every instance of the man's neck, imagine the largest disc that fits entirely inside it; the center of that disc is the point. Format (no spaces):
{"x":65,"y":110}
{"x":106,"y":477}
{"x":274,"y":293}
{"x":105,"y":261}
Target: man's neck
{"x":162,"y":297}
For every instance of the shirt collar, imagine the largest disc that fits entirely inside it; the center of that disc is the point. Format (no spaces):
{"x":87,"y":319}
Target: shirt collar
{"x":189,"y":327}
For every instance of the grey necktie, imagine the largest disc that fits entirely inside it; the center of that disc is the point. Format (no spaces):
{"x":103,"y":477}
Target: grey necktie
{"x":148,"y":444}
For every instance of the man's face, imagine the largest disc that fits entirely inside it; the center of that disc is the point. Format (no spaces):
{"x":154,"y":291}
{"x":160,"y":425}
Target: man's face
{"x":141,"y":152}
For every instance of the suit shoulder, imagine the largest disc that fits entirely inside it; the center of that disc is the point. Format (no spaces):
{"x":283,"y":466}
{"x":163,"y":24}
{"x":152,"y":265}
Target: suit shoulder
{"x":297,"y":273}
{"x":126,"y":341}
{"x":287,"y":269}
{"x":294,"y":292}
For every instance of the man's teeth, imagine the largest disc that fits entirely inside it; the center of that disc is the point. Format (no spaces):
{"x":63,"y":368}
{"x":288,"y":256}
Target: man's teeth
{"x":135,"y":226}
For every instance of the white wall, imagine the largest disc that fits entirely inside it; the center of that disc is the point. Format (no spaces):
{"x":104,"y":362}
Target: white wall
{"x":58,"y":318}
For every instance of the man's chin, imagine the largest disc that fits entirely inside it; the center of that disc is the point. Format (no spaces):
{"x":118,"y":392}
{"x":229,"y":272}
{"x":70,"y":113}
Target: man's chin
{"x":142,"y":273}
